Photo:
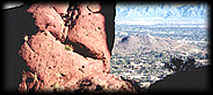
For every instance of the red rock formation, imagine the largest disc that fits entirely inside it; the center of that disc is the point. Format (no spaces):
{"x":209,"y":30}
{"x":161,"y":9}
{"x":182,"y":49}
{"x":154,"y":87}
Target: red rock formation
{"x":61,"y":8}
{"x":47,"y":18}
{"x":56,"y":66}
{"x":89,"y":30}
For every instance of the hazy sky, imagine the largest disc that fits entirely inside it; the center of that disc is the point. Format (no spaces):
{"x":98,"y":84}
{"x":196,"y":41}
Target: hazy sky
{"x":182,"y":13}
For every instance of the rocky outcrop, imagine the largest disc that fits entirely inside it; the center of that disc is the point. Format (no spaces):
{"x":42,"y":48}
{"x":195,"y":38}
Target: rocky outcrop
{"x":60,"y":64}
{"x":89,"y":31}
{"x":47,"y":18}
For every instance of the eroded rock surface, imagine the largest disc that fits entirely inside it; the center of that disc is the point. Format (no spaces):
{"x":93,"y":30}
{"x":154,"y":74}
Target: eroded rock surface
{"x":56,"y":65}
{"x":89,"y":30}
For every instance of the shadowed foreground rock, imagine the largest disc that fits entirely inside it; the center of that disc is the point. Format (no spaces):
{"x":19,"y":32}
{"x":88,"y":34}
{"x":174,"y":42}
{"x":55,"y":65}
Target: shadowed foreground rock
{"x":196,"y":80}
{"x":58,"y":65}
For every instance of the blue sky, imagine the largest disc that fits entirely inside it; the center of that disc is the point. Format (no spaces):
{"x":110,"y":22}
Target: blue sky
{"x":178,"y":13}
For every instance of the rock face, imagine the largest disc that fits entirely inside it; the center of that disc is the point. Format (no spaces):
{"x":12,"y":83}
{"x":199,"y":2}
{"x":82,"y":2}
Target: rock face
{"x":47,"y":18}
{"x":88,"y":25}
{"x":56,"y":65}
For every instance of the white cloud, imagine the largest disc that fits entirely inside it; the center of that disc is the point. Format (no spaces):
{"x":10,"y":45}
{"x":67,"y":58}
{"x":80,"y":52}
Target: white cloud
{"x":176,"y":10}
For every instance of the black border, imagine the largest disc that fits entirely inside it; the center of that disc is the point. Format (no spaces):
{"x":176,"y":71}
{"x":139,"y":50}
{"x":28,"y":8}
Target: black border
{"x":4,"y":39}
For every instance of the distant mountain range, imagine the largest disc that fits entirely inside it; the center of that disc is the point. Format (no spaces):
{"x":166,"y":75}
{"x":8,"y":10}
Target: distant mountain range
{"x":133,"y":43}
